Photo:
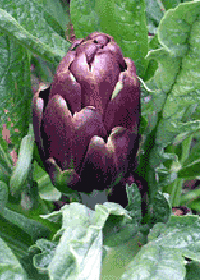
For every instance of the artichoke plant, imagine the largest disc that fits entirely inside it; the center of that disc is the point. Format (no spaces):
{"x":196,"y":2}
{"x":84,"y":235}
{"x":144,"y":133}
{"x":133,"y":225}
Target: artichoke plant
{"x":86,"y":123}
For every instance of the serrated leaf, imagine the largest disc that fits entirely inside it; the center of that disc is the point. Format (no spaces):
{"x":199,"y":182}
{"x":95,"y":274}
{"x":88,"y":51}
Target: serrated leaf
{"x":175,"y":83}
{"x":185,"y":91}
{"x":174,"y":89}
{"x":173,"y":33}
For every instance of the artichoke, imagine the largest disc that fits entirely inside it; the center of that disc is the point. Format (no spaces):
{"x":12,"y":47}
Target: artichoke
{"x":86,"y":123}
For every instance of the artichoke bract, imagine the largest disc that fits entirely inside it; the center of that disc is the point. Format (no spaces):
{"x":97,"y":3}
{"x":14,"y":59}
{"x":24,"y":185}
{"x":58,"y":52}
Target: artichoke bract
{"x":86,"y":123}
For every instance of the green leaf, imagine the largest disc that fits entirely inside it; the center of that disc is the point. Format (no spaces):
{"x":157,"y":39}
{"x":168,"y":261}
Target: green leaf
{"x":3,"y":195}
{"x":5,"y":161}
{"x":10,"y":26}
{"x":173,"y":91}
{"x":134,"y":202}
{"x":104,"y":15}
{"x":152,"y":263}
{"x":46,"y":188}
{"x":175,"y":84}
{"x":119,"y":229}
{"x":31,"y":227}
{"x":190,"y":167}
{"x":79,"y":251}
{"x":193,"y":271}
{"x":154,"y":13}
{"x":43,"y":71}
{"x":195,"y":205}
{"x":47,"y":248}
{"x":190,"y":171}
{"x":170,"y":4}
{"x":54,"y":14}
{"x":193,"y":156}
{"x":182,"y":233}
{"x":118,"y":257}
{"x":10,"y":268}
{"x":153,"y":10}
{"x":15,"y":238}
{"x":15,"y":88}
{"x":32,"y":31}
{"x":84,"y":17}
{"x":22,"y":168}
{"x":189,"y":197}
{"x":162,"y":257}
{"x":174,"y":36}
{"x":161,"y":207}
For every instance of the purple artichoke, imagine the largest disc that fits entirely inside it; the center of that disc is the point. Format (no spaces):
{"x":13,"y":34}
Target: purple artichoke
{"x":86,"y":123}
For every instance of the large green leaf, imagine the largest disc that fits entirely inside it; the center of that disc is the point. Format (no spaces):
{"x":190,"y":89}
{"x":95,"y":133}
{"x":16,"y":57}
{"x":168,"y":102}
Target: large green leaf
{"x":11,"y":27}
{"x":79,"y":251}
{"x":179,"y":32}
{"x":162,"y":257}
{"x":172,"y":94}
{"x":175,"y":83}
{"x":32,"y":30}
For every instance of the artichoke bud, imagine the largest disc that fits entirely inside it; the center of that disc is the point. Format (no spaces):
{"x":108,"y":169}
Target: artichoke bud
{"x":86,"y":123}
